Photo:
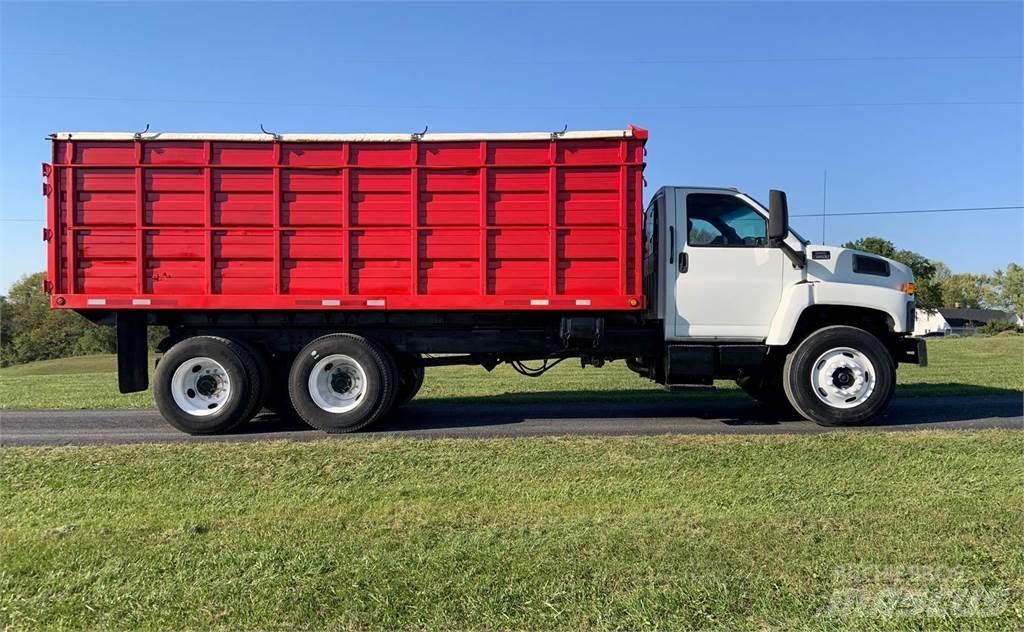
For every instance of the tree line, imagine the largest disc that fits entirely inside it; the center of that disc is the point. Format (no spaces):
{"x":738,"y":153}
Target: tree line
{"x":30,"y":330}
{"x":937,"y":286}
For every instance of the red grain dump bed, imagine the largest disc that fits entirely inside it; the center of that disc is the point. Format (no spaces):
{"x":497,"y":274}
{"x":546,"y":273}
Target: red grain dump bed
{"x":398,"y":222}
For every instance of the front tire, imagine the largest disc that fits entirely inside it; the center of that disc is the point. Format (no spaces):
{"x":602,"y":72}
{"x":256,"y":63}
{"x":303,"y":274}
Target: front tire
{"x":207,"y":385}
{"x":342,"y":383}
{"x":840,"y":376}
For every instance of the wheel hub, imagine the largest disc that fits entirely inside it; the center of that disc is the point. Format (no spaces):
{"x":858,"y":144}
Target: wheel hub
{"x":201,"y":386}
{"x":337,"y":383}
{"x":843,"y":377}
{"x":341,"y":382}
{"x":207,"y":385}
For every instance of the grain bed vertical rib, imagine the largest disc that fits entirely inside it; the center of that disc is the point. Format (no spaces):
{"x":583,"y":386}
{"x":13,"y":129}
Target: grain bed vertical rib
{"x":483,"y":218}
{"x":414,"y":220}
{"x":346,"y":220}
{"x":553,"y":218}
{"x":276,"y":169}
{"x":623,"y":248}
{"x":72,"y":264}
{"x":208,"y":260}
{"x":140,"y":220}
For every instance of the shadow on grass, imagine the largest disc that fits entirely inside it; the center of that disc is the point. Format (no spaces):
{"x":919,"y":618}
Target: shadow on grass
{"x":592,"y":411}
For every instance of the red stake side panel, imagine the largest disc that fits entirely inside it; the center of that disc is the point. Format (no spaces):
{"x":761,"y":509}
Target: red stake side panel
{"x":551,"y":224}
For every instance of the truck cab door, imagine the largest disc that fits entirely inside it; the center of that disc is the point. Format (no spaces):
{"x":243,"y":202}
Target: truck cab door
{"x":728,"y":279}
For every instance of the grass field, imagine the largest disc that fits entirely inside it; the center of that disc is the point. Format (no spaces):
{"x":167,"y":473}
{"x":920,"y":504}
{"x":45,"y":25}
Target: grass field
{"x":974,"y":365}
{"x":548,"y":533}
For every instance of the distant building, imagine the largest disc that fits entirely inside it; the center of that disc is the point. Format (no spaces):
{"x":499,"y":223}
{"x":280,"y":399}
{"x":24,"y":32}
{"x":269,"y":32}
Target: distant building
{"x":966,"y":320}
{"x":929,"y":322}
{"x":958,"y":320}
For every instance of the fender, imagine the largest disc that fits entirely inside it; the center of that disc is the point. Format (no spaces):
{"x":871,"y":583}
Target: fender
{"x":799,"y":297}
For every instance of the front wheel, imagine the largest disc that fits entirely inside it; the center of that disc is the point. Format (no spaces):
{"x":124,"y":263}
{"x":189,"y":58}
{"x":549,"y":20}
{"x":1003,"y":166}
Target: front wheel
{"x":840,"y":376}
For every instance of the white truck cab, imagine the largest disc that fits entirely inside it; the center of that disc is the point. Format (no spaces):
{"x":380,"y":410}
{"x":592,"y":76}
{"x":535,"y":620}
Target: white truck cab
{"x":731,"y":281}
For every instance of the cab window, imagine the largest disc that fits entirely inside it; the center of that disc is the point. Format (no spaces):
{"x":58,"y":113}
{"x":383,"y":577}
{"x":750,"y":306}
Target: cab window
{"x":723,"y":220}
{"x":650,"y":226}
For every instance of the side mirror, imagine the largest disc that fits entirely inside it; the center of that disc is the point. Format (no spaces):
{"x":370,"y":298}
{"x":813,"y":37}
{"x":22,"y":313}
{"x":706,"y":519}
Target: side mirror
{"x":778,"y":216}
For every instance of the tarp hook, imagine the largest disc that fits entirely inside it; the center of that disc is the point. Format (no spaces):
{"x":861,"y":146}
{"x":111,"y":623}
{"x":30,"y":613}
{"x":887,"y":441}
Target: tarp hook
{"x":276,"y":136}
{"x":138,"y":135}
{"x":419,"y":135}
{"x":561,"y":133}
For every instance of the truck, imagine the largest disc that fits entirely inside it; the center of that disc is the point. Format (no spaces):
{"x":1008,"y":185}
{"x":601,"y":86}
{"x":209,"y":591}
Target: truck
{"x":318,"y":275}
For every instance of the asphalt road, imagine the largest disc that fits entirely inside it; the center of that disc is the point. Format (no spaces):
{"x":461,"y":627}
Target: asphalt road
{"x":426,"y":420}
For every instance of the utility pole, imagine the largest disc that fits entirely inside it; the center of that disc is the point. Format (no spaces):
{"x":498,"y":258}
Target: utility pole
{"x":824,"y":204}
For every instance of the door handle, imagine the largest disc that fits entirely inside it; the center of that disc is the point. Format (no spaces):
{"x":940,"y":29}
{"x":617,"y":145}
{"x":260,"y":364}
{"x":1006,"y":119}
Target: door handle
{"x":684,"y":262}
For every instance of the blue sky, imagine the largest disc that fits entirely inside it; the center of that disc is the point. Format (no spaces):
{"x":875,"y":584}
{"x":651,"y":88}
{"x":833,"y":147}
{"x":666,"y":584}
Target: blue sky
{"x":755,"y":95}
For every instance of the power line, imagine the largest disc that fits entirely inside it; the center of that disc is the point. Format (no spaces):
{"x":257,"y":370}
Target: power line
{"x":587,"y":61}
{"x":500,"y":106}
{"x":830,"y":214}
{"x":913,"y":210}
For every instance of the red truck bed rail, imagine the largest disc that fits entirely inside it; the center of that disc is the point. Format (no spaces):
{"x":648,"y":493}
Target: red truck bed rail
{"x":396,"y":222}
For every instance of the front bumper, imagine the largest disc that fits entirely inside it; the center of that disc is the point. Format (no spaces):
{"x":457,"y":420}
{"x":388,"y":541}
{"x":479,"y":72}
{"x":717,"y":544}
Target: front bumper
{"x":912,"y":350}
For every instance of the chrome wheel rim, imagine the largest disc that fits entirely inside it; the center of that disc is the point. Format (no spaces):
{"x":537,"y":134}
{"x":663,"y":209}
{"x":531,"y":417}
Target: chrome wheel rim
{"x":337,"y":383}
{"x":843,"y":377}
{"x":200,"y":386}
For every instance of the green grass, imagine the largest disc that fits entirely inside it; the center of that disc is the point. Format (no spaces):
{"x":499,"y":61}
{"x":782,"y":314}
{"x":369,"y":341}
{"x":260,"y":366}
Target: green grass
{"x":63,"y":366}
{"x":975,"y":365}
{"x":546,"y":533}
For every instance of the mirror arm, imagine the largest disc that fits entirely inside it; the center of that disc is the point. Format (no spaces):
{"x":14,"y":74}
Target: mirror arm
{"x":799,"y":259}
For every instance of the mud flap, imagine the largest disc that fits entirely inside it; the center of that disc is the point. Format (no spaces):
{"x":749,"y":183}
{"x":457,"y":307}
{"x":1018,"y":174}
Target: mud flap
{"x":132,"y":351}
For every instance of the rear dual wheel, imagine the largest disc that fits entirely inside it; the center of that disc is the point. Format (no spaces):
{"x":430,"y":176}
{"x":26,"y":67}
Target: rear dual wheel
{"x":208,"y":384}
{"x":410,"y":379}
{"x":343,"y":383}
{"x":337,"y":383}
